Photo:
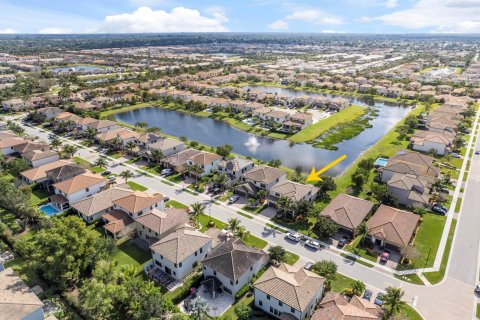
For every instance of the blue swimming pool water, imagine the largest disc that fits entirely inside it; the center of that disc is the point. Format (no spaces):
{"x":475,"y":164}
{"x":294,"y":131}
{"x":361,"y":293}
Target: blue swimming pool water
{"x":49,"y":210}
{"x":381,"y":162}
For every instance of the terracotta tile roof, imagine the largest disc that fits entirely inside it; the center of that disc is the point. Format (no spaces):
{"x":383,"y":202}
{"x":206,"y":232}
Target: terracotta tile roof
{"x":100,"y":201}
{"x":117,"y":220}
{"x":295,"y":287}
{"x":29,"y":146}
{"x":205,"y":158}
{"x":79,"y":182}
{"x":180,"y":158}
{"x":120,"y":133}
{"x":393,"y":225}
{"x":293,"y":190}
{"x":10,"y":142}
{"x":235,"y":164}
{"x":102,"y":124}
{"x":233,"y":258}
{"x":34,"y":155}
{"x":347,"y":211}
{"x":420,"y":137}
{"x":17,"y":301}
{"x":413,"y":163}
{"x":163,"y":221}
{"x":336,"y":307}
{"x":40,"y":172}
{"x":138,"y":201}
{"x":180,"y":244}
{"x":165,"y":144}
{"x":264,"y":174}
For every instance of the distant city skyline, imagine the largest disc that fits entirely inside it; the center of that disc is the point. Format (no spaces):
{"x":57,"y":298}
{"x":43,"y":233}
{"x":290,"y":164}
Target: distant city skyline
{"x":326,"y":16}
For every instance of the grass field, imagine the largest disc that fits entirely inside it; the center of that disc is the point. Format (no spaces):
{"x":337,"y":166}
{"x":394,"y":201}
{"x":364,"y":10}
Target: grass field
{"x":129,"y":254}
{"x":39,"y":197}
{"x":136,"y":187}
{"x":291,"y":258}
{"x":427,"y":240}
{"x":82,"y":162}
{"x":346,"y":115}
{"x":176,"y":204}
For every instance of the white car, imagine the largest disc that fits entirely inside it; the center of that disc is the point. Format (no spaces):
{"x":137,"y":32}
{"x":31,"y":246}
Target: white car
{"x":293,"y":236}
{"x":313,"y":244}
{"x":233,"y":198}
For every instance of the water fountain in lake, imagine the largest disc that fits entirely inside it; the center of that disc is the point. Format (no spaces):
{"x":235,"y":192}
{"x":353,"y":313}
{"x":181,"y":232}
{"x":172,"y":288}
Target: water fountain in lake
{"x":252,"y":143}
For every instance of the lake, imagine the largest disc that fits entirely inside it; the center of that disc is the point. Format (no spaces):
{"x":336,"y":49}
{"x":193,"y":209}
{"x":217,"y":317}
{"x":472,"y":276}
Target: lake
{"x":213,"y":133}
{"x":78,"y":68}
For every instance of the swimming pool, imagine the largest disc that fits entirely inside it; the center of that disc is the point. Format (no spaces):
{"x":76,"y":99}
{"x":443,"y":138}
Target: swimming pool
{"x":49,"y":209}
{"x":380,"y":162}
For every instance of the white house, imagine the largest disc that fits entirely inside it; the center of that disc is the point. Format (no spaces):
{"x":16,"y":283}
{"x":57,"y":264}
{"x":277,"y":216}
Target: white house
{"x":80,"y":187}
{"x":286,"y":292}
{"x":14,"y":104}
{"x":207,"y":161}
{"x":178,"y":253}
{"x":234,"y":264}
{"x":7,"y":145}
{"x":426,"y":141}
{"x":103,"y":125}
{"x":235,"y":167}
{"x":167,"y":146}
{"x":157,"y":223}
{"x":37,"y":158}
{"x":139,"y":203}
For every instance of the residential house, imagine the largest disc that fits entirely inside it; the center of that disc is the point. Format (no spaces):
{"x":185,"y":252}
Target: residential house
{"x":102,"y":126}
{"x":157,"y":223}
{"x":409,"y":189}
{"x":276,"y":116}
{"x":139,"y":203}
{"x":392,"y":228}
{"x":82,"y":123}
{"x":294,"y":191}
{"x":118,"y":224}
{"x":49,"y":112}
{"x":62,"y":173}
{"x":39,"y":174}
{"x":287,"y":292}
{"x":123,"y":136}
{"x":14,"y":104}
{"x":7,"y":145}
{"x":179,"y":252}
{"x":17,"y":300}
{"x":235,"y":167}
{"x":178,"y":161}
{"x":92,"y":208}
{"x":432,"y":141}
{"x":77,"y":188}
{"x":298,"y":121}
{"x":37,"y":158}
{"x":207,"y":161}
{"x":338,"y":103}
{"x":30,"y":146}
{"x":167,"y":146}
{"x":409,"y":162}
{"x":263,"y":177}
{"x":233,"y":264}
{"x":335,"y":306}
{"x":348,"y":212}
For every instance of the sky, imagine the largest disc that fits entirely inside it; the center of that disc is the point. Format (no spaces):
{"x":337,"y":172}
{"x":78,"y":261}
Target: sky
{"x":321,"y":16}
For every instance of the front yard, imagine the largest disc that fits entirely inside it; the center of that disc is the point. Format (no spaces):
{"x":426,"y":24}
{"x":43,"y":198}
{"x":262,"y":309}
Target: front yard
{"x":136,"y":187}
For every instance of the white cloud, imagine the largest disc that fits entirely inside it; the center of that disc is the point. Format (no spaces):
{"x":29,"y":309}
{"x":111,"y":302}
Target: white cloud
{"x":363,"y":19}
{"x":150,"y":3}
{"x":459,"y":16}
{"x":8,"y":31}
{"x":331,"y":31}
{"x":314,"y":16}
{"x":391,"y":3}
{"x":180,"y":19}
{"x":55,"y":31}
{"x":218,"y":13}
{"x":278,"y":25}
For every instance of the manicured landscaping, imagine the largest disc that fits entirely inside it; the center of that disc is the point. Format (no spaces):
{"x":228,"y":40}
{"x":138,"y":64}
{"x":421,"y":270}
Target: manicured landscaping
{"x":341,"y":283}
{"x":291,"y":258}
{"x":129,"y":254}
{"x":356,"y":248}
{"x":346,"y":115}
{"x":458,"y":204}
{"x":437,"y":276}
{"x":410,"y":278}
{"x":428,"y":239}
{"x":355,"y":260}
{"x":410,"y":313}
{"x":176,"y":204}
{"x":82,"y":162}
{"x":136,"y":187}
{"x":38,"y":197}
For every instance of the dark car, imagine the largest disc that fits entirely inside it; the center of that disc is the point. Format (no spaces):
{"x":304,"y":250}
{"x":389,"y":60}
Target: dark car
{"x":379,"y":299}
{"x":384,"y":257}
{"x":477,"y":152}
{"x":213,"y":187}
{"x":166,"y":199}
{"x":367,"y":295}
{"x":439,"y":209}
{"x":342,"y":242}
{"x":106,"y":173}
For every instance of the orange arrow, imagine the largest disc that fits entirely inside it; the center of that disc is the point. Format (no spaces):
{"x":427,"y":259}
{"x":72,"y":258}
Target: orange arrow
{"x":315,"y":175}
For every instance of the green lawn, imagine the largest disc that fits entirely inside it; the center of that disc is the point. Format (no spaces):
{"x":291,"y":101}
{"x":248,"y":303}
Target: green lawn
{"x":291,"y":258}
{"x":129,"y":254}
{"x":436,"y":277}
{"x":39,"y":196}
{"x":458,"y":204}
{"x":346,"y":115}
{"x":355,"y":260}
{"x":427,"y":239}
{"x":82,"y":162}
{"x":410,"y":313}
{"x":478,"y":311}
{"x":136,"y":187}
{"x":97,"y":169}
{"x":410,"y":278}
{"x":254,"y":210}
{"x":355,"y":248}
{"x":176,"y":204}
{"x":341,"y":282}
{"x":230,"y":313}
{"x":177,"y":178}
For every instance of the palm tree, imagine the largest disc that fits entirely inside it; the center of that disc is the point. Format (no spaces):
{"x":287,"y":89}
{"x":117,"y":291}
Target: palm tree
{"x":153,"y":130}
{"x":127,"y":174}
{"x":233,"y":224}
{"x":69,"y":150}
{"x":90,"y":134}
{"x":326,"y":269}
{"x":55,"y":143}
{"x":358,"y":287}
{"x":284,"y":204}
{"x":252,"y":202}
{"x":156,"y":155}
{"x":221,"y":179}
{"x":130,"y":146}
{"x":101,"y":163}
{"x":262,"y":194}
{"x":392,"y":301}
{"x":242,"y":233}
{"x":197,"y":209}
{"x":197,"y":170}
{"x":362,"y":230}
{"x":141,"y":125}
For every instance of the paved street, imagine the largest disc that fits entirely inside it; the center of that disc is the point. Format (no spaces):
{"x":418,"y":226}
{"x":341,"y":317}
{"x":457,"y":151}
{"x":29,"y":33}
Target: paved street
{"x":450,"y":300}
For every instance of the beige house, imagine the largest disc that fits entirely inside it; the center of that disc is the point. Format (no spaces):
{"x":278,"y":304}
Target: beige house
{"x":293,"y":190}
{"x":409,"y":162}
{"x":155,"y":224}
{"x":410,"y":190}
{"x":178,"y":161}
{"x":334,"y":306}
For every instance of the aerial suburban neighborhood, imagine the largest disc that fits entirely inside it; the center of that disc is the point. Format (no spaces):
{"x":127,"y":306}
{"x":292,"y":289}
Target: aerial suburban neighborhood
{"x":151,"y":173}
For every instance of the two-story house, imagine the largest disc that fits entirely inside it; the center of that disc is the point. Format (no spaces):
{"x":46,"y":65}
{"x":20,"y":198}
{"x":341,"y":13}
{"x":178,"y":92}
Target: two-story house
{"x":207,"y":162}
{"x":77,"y":188}
{"x":260,"y":177}
{"x":155,"y":224}
{"x":235,"y":167}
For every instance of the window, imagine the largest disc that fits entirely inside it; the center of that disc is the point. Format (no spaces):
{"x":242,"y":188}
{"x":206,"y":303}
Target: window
{"x":231,"y":282}
{"x":260,"y":303}
{"x":180,"y":264}
{"x":236,"y":282}
{"x":161,"y":257}
{"x":271,"y":310}
{"x":292,"y":310}
{"x":195,"y":253}
{"x":87,"y":189}
{"x":175,"y":265}
{"x":194,"y":264}
{"x":156,"y":233}
{"x":214,"y":273}
{"x":268,"y":297}
{"x":201,"y":250}
{"x":251,"y":268}
{"x":280,"y":303}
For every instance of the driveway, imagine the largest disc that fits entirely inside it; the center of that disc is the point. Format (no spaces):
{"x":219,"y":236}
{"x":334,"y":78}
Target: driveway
{"x":268,"y":212}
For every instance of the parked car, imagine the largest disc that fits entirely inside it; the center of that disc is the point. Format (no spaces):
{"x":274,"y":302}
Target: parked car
{"x":456,"y":155}
{"x":367,"y":295}
{"x":213,"y":187}
{"x":379,"y":299}
{"x":166,"y":172}
{"x":106,"y":173}
{"x":477,"y":289}
{"x":233,"y":198}
{"x":439,"y":209}
{"x":342,"y":242}
{"x":166,"y":199}
{"x":384,"y":257}
{"x":112,"y":178}
{"x":216,"y":190}
{"x":294,"y":236}
{"x":308,"y":266}
{"x":477,"y":152}
{"x":313,"y":244}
